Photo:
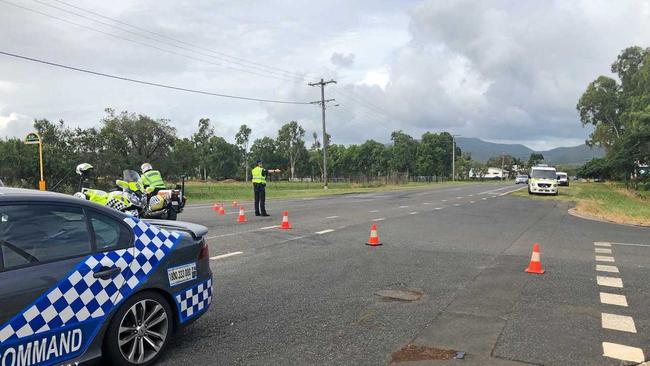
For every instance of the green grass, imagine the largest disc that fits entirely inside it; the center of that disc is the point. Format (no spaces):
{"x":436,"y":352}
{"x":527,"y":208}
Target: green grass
{"x":609,"y":201}
{"x":241,"y":191}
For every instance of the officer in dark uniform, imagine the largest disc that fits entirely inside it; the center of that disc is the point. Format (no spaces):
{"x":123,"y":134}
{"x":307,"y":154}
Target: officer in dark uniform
{"x":259,"y":187}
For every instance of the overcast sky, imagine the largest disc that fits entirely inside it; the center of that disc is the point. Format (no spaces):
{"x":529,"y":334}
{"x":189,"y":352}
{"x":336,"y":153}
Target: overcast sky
{"x":504,"y":71}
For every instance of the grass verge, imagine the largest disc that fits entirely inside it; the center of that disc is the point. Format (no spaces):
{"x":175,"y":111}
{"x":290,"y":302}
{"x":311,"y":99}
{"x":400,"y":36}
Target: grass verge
{"x":607,"y":201}
{"x":241,"y":191}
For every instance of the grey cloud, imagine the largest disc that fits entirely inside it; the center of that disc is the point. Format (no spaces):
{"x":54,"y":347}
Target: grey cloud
{"x":342,"y":60}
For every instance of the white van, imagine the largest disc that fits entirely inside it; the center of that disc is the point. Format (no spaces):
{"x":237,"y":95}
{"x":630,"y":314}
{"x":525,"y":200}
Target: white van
{"x":543,"y":179}
{"x":562,"y":179}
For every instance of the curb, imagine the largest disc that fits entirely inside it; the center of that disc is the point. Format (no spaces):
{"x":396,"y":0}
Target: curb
{"x":573,"y":212}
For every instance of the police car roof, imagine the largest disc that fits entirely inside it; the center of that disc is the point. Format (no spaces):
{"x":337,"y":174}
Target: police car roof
{"x":33,"y":195}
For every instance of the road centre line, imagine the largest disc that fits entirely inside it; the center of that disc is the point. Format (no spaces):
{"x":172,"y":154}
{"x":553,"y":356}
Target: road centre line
{"x":604,"y":258}
{"x":606,"y":268}
{"x":613,"y":299}
{"x":459,"y":197}
{"x":472,"y":202}
{"x":621,"y":323}
{"x":443,"y":201}
{"x":632,"y":244}
{"x":403,"y":206}
{"x":609,"y":281}
{"x":622,"y":352}
{"x":373,"y":211}
{"x":379,"y":219}
{"x":331,"y":217}
{"x":494,"y":190}
{"x":456,"y":204}
{"x":484,"y":198}
{"x":324,"y":231}
{"x":438,"y":208}
{"x":225,"y":255}
{"x":603,"y":250}
{"x":426,"y":203}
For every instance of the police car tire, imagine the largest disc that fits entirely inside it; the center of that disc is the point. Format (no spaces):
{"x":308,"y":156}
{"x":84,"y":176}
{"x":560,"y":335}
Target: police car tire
{"x":112,"y":354}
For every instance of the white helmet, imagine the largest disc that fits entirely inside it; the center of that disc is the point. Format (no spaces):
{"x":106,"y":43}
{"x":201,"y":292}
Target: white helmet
{"x":145,"y":167}
{"x":83,"y":168}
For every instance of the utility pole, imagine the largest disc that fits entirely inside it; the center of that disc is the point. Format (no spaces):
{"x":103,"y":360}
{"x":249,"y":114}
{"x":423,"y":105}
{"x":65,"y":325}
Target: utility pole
{"x":322,"y":102}
{"x":453,"y":157}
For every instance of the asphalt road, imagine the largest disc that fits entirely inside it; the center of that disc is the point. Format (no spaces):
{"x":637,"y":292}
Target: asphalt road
{"x":307,"y":296}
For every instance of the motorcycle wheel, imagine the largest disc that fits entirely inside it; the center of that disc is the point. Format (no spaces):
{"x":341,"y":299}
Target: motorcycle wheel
{"x":172,"y":214}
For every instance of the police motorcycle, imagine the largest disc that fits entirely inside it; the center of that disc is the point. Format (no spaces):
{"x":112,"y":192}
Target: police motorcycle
{"x":131,"y":199}
{"x":163,"y":204}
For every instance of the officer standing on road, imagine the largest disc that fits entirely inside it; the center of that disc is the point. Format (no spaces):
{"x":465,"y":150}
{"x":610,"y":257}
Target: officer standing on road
{"x":259,"y":187}
{"x":151,"y":177}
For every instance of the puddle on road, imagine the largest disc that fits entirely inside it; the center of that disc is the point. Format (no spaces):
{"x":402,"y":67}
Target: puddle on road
{"x":399,"y":295}
{"x":412,"y":352}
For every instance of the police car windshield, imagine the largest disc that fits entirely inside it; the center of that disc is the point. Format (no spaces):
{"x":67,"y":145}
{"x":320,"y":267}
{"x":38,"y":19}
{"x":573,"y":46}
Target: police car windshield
{"x":131,"y":175}
{"x":543,"y":174}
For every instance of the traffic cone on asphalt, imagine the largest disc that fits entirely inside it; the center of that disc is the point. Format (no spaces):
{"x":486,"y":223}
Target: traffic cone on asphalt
{"x":215,"y":207}
{"x":242,"y":216}
{"x":222,"y":211}
{"x":234,"y":204}
{"x":373,"y":240}
{"x":535,"y":265}
{"x":285,"y":221}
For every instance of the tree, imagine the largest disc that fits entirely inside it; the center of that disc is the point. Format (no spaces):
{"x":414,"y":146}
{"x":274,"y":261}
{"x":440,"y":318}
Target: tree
{"x":265,"y":149}
{"x":600,"y":106}
{"x":404,"y":151}
{"x":201,"y":141}
{"x":241,"y":138}
{"x":291,"y":144}
{"x":534,"y":159}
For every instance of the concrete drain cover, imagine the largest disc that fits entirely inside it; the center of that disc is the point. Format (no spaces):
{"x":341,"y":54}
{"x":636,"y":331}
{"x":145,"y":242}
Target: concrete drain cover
{"x":400,"y":295}
{"x":412,"y":352}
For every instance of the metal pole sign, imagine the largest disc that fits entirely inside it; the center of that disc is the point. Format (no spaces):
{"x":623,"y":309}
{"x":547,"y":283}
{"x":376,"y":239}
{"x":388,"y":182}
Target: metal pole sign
{"x":34,"y":138}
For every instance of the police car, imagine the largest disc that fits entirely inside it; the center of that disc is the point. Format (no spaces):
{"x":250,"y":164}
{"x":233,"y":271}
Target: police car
{"x":80,"y":282}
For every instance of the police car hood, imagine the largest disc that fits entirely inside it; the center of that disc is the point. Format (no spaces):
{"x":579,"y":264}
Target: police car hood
{"x":197,"y":231}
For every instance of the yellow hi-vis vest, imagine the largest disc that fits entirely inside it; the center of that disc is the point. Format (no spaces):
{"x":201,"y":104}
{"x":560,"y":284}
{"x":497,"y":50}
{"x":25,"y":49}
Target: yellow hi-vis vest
{"x":257,"y":175}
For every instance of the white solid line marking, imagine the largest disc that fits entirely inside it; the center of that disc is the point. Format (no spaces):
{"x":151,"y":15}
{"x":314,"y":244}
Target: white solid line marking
{"x":324,"y":231}
{"x":609,"y":281}
{"x":269,"y":227}
{"x":613,"y":299}
{"x":602,"y":244}
{"x":331,"y":217}
{"x":495,"y":196}
{"x":225,"y":255}
{"x":379,"y":219}
{"x":403,"y":206}
{"x":606,"y":268}
{"x":604,"y":258}
{"x":603,"y":250}
{"x":373,"y":211}
{"x":514,"y":190}
{"x":621,"y":323}
{"x":632,"y":244}
{"x":622,"y":352}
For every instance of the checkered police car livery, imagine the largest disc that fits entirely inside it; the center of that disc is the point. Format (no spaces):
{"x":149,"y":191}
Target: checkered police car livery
{"x":90,"y":306}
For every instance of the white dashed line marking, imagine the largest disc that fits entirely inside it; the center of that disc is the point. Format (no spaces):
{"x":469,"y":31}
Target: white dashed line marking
{"x":602,"y":244}
{"x":373,"y":211}
{"x":426,"y":203}
{"x":379,"y":219}
{"x":269,"y":227}
{"x":225,"y":255}
{"x":444,"y":201}
{"x":472,"y":202}
{"x":604,"y":258}
{"x":413,"y":213}
{"x":621,"y":323}
{"x":438,"y":208}
{"x":470,"y":195}
{"x":606,"y":268}
{"x":613,"y":299}
{"x":603,"y":250}
{"x":332,"y":217}
{"x":495,"y":196}
{"x":324,"y":231}
{"x":456,"y":204}
{"x":459,"y":198}
{"x":403,"y":206}
{"x":622,"y":352}
{"x":609,"y":281}
{"x":484,"y":198}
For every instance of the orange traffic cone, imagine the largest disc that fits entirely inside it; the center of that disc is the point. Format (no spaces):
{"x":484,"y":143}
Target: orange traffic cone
{"x":234,"y":204}
{"x":242,"y":216}
{"x":285,"y":221}
{"x":216,"y":206}
{"x":535,"y":265}
{"x":222,"y":211}
{"x":373,"y":240}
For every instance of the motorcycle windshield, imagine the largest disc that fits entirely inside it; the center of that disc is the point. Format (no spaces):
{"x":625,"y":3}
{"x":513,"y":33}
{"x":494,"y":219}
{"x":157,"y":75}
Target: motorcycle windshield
{"x":131,"y":176}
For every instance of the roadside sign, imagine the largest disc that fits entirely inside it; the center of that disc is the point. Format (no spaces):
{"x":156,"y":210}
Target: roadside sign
{"x":32,"y":138}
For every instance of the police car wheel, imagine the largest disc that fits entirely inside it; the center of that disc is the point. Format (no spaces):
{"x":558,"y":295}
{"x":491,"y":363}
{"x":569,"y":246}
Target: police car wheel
{"x":139,"y":331}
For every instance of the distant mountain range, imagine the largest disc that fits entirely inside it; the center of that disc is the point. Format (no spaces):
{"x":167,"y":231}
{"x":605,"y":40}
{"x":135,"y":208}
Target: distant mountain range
{"x":483,"y":150}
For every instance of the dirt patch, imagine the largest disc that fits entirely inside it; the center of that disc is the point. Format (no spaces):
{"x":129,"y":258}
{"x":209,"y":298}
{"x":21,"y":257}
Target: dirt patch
{"x":400,"y":295}
{"x":411,"y":352}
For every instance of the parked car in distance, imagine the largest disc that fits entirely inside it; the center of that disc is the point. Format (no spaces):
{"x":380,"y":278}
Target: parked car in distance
{"x":521,"y":178}
{"x":562,"y":179}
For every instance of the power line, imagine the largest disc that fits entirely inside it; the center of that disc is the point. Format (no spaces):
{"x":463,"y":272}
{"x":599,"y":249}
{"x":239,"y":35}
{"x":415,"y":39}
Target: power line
{"x":260,"y":65}
{"x":142,"y":43}
{"x":148,"y":82}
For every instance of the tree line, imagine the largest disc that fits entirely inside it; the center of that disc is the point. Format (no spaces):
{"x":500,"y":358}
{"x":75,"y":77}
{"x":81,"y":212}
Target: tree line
{"x":125,"y":140}
{"x":619,"y":109}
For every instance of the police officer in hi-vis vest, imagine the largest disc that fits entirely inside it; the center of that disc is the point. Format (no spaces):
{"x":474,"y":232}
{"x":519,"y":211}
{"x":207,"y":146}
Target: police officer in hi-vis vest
{"x":259,"y":187}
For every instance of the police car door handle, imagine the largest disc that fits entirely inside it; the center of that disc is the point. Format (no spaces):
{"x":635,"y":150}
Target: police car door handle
{"x":105,"y":273}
